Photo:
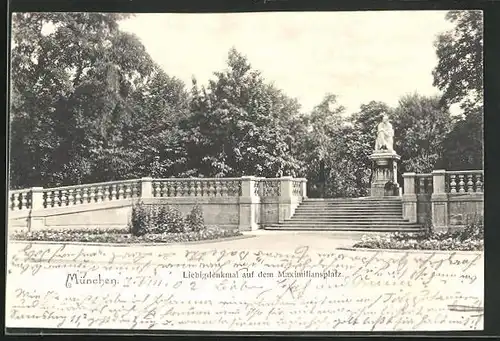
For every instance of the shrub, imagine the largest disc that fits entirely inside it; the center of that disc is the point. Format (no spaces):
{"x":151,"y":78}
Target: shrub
{"x":474,"y":228}
{"x":140,"y":220}
{"x":195,"y":220}
{"x":428,"y":228}
{"x":174,"y":220}
{"x":120,"y":236}
{"x":470,"y":238}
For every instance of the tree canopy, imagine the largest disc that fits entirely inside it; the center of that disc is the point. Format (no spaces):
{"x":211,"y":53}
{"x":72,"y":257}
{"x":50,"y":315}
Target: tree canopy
{"x":89,"y":104}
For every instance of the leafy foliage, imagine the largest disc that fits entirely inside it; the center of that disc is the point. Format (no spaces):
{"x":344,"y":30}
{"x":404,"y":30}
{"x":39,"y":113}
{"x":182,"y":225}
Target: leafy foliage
{"x":469,"y":238}
{"x":239,"y":125}
{"x":420,"y":125}
{"x":122,"y":236}
{"x":195,"y":220}
{"x":158,"y":219}
{"x":139,"y":220}
{"x":88,"y":104}
{"x":77,"y":81}
{"x":459,"y":73}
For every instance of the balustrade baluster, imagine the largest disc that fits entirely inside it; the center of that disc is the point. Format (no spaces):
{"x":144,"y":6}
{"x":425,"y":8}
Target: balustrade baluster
{"x":223,"y":188}
{"x":421,"y":185}
{"x":470,"y":184}
{"x":127,"y":191}
{"x":211,"y":191}
{"x":50,"y":199}
{"x":479,"y":184}
{"x":63,"y":198}
{"x":15,"y":201}
{"x":165,"y":189}
{"x":99,"y":194}
{"x":12,"y":204}
{"x":192,"y":188}
{"x":23,"y":201}
{"x":198,"y":189}
{"x":121,"y":192}
{"x":135,"y":190}
{"x":461,"y":184}
{"x":155,"y":188}
{"x":453,"y":184}
{"x":105,"y":195}
{"x":113,"y":192}
{"x":57,"y":198}
{"x":182,"y":189}
{"x":92,"y":195}
{"x":71,"y":197}
{"x":78,"y":196}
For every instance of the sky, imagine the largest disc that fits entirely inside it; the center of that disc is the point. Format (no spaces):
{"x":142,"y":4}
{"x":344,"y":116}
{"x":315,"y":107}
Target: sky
{"x":359,"y":56}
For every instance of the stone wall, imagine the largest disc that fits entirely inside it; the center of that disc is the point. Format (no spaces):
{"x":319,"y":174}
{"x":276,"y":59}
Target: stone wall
{"x":447,"y":198}
{"x":233,"y":203}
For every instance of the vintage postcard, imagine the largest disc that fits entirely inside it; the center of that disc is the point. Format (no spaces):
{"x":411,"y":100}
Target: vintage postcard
{"x":250,"y":172}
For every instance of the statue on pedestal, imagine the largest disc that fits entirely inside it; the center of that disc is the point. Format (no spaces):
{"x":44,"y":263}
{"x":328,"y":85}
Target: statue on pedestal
{"x":385,"y":135}
{"x":385,"y":159}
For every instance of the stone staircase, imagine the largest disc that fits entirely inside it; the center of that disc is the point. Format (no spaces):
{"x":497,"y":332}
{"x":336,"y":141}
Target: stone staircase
{"x":357,"y":214}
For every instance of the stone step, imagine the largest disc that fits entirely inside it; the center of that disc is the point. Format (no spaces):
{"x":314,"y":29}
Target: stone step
{"x":362,"y":199}
{"x":347,"y":223}
{"x":337,"y":209}
{"x":379,"y":228}
{"x":322,"y":218}
{"x":380,"y":204}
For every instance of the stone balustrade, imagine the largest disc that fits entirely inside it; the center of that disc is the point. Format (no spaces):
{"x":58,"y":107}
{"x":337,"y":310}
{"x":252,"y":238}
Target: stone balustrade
{"x":242,"y":203}
{"x":20,"y":200}
{"x":197,"y":187}
{"x":92,"y":193}
{"x":423,"y":183}
{"x":464,"y":182}
{"x":448,"y":198}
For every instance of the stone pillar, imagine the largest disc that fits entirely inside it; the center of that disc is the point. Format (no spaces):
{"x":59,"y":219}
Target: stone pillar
{"x":249,"y":204}
{"x":385,"y":170}
{"x":286,"y":201}
{"x":147,"y":187}
{"x":409,"y":198}
{"x":36,"y":219}
{"x":304,"y":188}
{"x":439,"y":200}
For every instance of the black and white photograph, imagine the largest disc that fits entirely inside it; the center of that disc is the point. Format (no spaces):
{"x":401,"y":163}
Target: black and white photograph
{"x":246,"y":172}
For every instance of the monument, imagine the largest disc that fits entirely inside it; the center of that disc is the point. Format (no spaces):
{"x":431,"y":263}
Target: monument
{"x":385,"y":162}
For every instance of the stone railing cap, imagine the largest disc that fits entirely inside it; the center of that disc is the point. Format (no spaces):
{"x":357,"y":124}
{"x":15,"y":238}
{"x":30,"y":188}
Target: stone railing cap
{"x":409,"y":174}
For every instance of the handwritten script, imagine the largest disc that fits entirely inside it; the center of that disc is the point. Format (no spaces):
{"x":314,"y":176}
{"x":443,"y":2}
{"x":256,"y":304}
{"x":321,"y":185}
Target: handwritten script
{"x":306,"y":289}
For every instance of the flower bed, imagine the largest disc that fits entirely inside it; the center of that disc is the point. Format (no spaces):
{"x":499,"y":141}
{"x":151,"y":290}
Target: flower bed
{"x":122,"y":236}
{"x":470,"y":238}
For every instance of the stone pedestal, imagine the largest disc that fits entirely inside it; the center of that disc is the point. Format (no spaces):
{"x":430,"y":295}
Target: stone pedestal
{"x":385,"y":170}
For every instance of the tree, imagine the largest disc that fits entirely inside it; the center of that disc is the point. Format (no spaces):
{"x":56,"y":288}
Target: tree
{"x":362,"y":141}
{"x":420,"y":125}
{"x":459,"y":73}
{"x":239,"y":125}
{"x":71,"y":82}
{"x":325,"y":150}
{"x":462,"y":147}
{"x":154,"y":134}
